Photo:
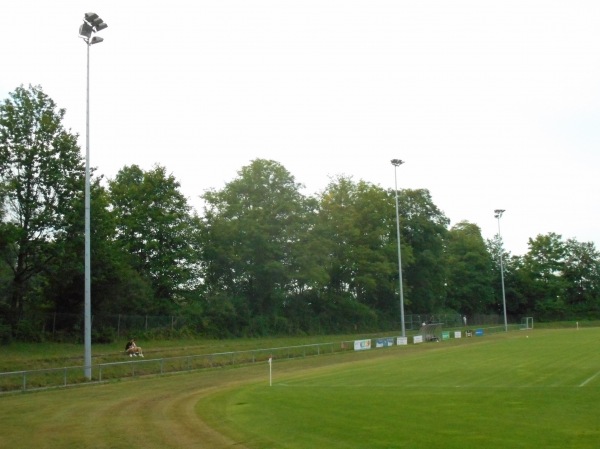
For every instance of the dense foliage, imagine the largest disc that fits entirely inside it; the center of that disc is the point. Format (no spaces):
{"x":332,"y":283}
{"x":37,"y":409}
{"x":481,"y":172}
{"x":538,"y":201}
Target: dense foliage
{"x":262,"y":258}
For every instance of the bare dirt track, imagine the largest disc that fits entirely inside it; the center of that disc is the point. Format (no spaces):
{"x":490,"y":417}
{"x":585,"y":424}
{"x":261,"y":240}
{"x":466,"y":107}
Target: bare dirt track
{"x":149,"y":413}
{"x":158,"y":412}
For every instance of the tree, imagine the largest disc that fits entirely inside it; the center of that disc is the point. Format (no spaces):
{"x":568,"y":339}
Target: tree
{"x":469,"y":270}
{"x":517,"y":302}
{"x":155,"y":226}
{"x":582,"y":277}
{"x":355,"y":220}
{"x":255,"y":233}
{"x":116,"y":286}
{"x":543,"y":275}
{"x":423,"y":231}
{"x":41,"y":171}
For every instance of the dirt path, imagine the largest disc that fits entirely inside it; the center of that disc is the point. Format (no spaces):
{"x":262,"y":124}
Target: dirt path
{"x":148,"y":413}
{"x":143,"y":413}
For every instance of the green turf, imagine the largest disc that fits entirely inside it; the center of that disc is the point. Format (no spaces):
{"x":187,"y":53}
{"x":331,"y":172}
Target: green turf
{"x":505,"y":391}
{"x":31,"y":356}
{"x":499,"y":391}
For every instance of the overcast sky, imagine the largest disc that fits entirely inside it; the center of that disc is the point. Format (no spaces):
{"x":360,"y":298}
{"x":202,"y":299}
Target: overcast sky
{"x":491,"y":104}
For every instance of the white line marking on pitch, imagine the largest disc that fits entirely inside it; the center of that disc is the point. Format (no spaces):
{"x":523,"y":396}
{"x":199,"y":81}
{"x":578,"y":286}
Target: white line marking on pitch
{"x":584,"y":383}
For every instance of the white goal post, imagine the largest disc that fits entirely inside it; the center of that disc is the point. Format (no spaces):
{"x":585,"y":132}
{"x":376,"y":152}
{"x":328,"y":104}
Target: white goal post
{"x":527,"y":323}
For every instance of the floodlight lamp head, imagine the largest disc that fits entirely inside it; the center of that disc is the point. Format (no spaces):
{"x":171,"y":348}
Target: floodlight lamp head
{"x":89,"y":17}
{"x":498,"y":213}
{"x":397,"y":162}
{"x":96,"y":40}
{"x":99,"y":26}
{"x":85,"y":31}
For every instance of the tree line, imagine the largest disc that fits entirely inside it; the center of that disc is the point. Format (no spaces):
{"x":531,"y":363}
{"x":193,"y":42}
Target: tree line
{"x":262,"y":257}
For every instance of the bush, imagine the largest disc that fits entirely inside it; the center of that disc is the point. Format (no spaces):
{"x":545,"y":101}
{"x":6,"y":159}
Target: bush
{"x":26,"y":331}
{"x":5,"y":334}
{"x":103,"y":335}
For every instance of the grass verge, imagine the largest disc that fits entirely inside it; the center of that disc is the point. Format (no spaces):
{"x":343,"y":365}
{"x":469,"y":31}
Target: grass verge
{"x":500,"y":391}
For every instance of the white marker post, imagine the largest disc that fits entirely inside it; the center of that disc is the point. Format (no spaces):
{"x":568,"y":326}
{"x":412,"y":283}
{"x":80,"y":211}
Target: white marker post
{"x":270,"y":371}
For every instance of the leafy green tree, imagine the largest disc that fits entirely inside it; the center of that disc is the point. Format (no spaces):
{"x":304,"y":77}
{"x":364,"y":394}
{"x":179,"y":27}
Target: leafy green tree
{"x":255,"y":240}
{"x":469,"y":270}
{"x":41,"y":171}
{"x":423,"y":231}
{"x":6,"y":263}
{"x":517,"y":302}
{"x":582,"y":277}
{"x":116,"y":286}
{"x":543,"y":275}
{"x":156,"y":227}
{"x":355,"y":220}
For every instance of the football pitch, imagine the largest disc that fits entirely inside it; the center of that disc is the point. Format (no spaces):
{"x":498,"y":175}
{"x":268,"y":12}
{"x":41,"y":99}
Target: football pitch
{"x":523,"y":389}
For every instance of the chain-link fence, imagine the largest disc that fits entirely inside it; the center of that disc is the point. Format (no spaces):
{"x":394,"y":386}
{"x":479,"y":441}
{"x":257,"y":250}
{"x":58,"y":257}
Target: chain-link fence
{"x":117,"y":326}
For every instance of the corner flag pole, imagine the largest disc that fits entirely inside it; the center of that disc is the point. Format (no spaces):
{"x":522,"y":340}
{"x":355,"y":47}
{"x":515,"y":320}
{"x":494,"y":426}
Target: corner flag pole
{"x":270,"y":371}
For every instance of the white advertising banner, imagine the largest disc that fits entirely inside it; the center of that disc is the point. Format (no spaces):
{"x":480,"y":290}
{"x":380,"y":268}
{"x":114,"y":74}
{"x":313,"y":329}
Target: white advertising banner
{"x":418,"y":339}
{"x":361,"y":345}
{"x":401,"y":341}
{"x":384,"y":342}
{"x":457,"y":334}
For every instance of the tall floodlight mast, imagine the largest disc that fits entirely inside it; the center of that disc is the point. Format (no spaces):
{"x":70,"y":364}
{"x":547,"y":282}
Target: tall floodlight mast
{"x":498,"y":214}
{"x":91,"y":25}
{"x":396,"y":163}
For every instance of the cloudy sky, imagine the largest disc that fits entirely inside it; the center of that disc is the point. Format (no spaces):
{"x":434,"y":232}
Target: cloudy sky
{"x":490,"y":104}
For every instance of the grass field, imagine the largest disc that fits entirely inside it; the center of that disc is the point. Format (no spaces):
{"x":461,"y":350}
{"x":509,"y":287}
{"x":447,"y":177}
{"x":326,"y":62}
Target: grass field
{"x":533,"y":389}
{"x":32,"y":356}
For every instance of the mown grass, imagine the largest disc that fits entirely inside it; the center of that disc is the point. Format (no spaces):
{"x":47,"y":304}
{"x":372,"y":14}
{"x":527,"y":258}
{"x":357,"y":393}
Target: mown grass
{"x":506,"y":391}
{"x":499,"y":391}
{"x":151,"y":412}
{"x":30,"y":356}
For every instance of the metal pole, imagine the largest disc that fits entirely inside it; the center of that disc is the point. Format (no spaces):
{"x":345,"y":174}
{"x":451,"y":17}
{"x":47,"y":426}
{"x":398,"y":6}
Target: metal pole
{"x":87,"y":287}
{"x":499,"y":213}
{"x":397,"y":162}
{"x":91,"y":24}
{"x":270,"y":371}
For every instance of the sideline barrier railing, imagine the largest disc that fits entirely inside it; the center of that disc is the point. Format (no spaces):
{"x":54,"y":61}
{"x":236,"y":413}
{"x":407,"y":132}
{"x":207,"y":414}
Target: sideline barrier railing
{"x":29,"y":380}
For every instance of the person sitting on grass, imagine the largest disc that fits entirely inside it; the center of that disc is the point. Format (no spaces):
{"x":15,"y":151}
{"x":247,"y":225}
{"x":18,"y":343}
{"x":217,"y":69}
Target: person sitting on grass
{"x":132,"y":349}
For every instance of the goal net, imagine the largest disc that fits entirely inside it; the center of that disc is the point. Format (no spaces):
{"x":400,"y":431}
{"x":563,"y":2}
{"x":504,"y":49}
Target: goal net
{"x":431,"y":331}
